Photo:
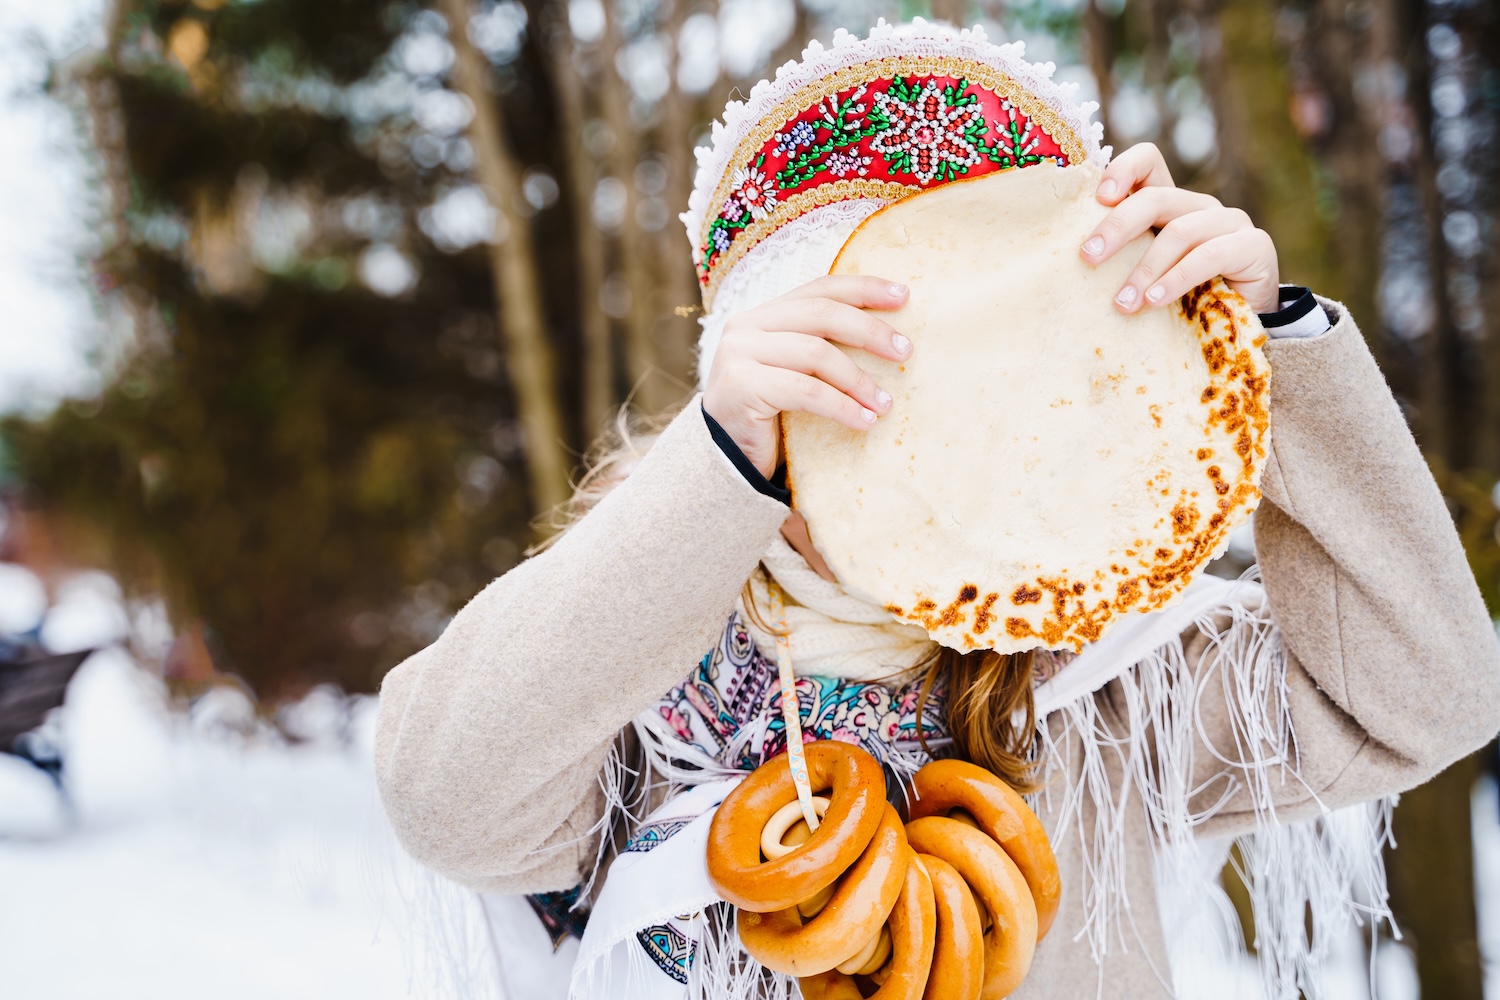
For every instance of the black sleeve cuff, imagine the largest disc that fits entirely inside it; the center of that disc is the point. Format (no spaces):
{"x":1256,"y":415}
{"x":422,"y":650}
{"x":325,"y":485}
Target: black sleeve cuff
{"x":1295,"y":303}
{"x":775,"y":487}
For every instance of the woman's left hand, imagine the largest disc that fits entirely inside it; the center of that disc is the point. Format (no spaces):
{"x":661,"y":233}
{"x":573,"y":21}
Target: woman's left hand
{"x":1198,"y":238}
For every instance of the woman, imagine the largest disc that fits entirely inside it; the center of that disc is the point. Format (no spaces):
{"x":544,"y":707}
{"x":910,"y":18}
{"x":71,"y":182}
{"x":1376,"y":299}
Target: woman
{"x":1365,"y":664}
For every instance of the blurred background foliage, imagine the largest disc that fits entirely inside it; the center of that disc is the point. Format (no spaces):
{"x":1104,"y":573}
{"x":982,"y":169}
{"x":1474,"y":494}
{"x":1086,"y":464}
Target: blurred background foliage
{"x":386,"y":269}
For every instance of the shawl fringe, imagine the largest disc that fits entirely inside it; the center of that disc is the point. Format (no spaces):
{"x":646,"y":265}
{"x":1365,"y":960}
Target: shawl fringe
{"x":1316,"y":874}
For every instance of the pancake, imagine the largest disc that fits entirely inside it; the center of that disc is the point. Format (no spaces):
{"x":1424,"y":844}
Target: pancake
{"x":1049,"y":466}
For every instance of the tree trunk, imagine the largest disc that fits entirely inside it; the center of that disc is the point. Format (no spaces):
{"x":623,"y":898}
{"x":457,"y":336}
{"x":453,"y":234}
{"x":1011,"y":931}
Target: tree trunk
{"x":952,"y":11}
{"x":598,"y":349}
{"x":1262,"y":164}
{"x":1155,"y":17}
{"x":1099,"y":42}
{"x":1432,"y":883}
{"x":679,"y":295}
{"x":523,"y":325}
{"x":1487,"y":445}
{"x":1231,"y":173}
{"x":650,"y":391}
{"x":1432,"y":875}
{"x":1434,"y":427}
{"x":1340,"y":47}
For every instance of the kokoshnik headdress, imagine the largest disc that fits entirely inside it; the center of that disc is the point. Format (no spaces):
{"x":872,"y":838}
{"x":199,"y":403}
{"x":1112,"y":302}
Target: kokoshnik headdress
{"x":793,"y":170}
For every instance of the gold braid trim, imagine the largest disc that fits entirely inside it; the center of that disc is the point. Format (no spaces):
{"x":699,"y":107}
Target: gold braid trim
{"x":979,"y":73}
{"x":797,"y":205}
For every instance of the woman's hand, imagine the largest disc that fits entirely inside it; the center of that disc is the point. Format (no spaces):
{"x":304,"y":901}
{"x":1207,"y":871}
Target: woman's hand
{"x":781,"y":356}
{"x":1198,"y":238}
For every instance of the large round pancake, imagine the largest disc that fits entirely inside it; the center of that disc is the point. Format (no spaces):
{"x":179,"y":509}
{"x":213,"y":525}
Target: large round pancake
{"x":1049,"y":465}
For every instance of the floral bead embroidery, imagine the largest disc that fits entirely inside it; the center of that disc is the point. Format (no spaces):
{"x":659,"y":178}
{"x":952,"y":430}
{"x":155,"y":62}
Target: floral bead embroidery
{"x":928,"y":136}
{"x":916,"y":132}
{"x":752,"y":191}
{"x":800,"y":134}
{"x":844,"y":165}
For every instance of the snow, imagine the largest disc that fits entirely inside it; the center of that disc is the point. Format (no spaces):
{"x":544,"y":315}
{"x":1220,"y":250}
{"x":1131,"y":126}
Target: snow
{"x":23,"y":599}
{"x":29,"y":803}
{"x":86,"y":613}
{"x":1485,"y":820}
{"x":201,"y":856}
{"x":201,"y":849}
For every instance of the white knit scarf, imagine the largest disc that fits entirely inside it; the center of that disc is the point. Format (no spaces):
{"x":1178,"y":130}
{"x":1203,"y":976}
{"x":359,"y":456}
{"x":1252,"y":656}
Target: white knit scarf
{"x":833,"y":632}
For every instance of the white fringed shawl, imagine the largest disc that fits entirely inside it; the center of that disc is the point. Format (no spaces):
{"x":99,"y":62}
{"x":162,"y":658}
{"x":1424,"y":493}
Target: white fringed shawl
{"x":1308,"y":880}
{"x":1315,"y":875}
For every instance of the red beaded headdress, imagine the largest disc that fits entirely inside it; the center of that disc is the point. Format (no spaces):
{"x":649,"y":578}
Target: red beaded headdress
{"x":856,"y":126}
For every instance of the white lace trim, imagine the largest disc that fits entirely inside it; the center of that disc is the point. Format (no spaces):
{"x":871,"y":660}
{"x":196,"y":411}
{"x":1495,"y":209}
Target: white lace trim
{"x":919,"y":38}
{"x":793,"y":255}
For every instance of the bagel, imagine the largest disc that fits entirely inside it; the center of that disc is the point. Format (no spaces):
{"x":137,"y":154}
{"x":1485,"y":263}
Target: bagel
{"x":958,"y":954}
{"x":856,"y":806}
{"x":998,"y":883}
{"x":867,"y":892}
{"x":913,"y":928}
{"x":774,"y":844}
{"x":945,"y":785}
{"x":871,"y":957}
{"x":788,"y":820}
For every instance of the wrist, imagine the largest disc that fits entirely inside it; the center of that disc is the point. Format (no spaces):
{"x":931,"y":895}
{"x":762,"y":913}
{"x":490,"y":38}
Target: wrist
{"x":771,"y":484}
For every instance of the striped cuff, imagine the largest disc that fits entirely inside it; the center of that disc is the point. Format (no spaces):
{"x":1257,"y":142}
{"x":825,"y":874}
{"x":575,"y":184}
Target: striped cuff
{"x":1298,"y":317}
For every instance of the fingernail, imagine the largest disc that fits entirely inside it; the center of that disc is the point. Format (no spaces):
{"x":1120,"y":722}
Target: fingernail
{"x":901,"y":344}
{"x":1108,"y":188}
{"x":883,"y":398}
{"x":895,"y":290}
{"x":1155,"y":292}
{"x":869,"y":415}
{"x":1094,"y":246}
{"x":1126,"y":296}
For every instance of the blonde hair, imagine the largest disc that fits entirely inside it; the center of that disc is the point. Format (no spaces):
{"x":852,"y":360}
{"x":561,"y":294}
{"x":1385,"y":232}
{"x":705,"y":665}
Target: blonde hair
{"x":989,"y":707}
{"x":990,"y":710}
{"x":613,"y":456}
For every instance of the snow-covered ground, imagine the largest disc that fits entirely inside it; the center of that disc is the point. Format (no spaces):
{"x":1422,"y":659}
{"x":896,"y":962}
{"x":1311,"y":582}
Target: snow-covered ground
{"x":200,"y":851}
{"x":198,"y":858}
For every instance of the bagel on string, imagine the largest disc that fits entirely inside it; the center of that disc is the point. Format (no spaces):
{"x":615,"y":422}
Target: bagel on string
{"x":943,"y":786}
{"x":856,"y":807}
{"x":865,"y":895}
{"x":1000,"y":889}
{"x":958,"y":953}
{"x":913,"y":929}
{"x":948,"y":906}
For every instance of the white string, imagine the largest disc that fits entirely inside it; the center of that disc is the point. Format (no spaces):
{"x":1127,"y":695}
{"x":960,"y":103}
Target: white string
{"x":790,"y":713}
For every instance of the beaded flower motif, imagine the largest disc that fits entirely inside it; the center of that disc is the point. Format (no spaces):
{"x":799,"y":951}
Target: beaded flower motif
{"x":911,"y":132}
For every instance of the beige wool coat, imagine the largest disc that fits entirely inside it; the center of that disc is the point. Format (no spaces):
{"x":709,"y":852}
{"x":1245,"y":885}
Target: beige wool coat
{"x":491,"y":740}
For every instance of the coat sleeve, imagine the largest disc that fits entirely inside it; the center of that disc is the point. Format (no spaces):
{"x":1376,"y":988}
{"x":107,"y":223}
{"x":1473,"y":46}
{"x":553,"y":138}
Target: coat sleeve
{"x":1393,"y":668}
{"x":489,"y":742}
